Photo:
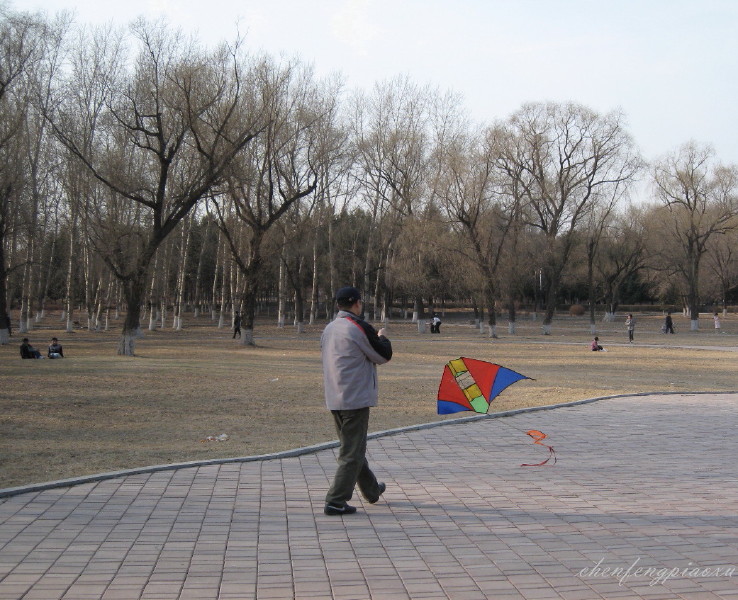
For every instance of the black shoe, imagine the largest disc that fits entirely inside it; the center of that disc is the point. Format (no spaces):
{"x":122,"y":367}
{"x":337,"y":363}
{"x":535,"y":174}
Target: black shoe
{"x":336,"y":509}
{"x":382,"y":487}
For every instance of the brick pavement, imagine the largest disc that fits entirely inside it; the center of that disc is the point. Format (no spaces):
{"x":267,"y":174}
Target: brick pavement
{"x":643,"y":503}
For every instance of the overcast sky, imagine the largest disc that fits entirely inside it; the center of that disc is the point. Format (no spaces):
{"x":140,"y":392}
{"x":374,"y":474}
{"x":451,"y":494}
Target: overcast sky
{"x":670,"y":65}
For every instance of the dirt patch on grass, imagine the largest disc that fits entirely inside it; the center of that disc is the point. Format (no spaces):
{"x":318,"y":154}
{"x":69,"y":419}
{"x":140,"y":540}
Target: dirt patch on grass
{"x":93,"y":411}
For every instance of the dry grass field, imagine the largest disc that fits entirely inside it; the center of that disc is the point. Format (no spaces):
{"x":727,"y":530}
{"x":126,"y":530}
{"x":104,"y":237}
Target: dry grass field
{"x":95,"y":412}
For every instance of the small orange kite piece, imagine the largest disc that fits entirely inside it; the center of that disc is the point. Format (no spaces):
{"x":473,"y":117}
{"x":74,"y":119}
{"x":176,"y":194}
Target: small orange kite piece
{"x":538,"y":436}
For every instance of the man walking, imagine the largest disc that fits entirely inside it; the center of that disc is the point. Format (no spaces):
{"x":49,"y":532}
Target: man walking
{"x":236,"y":325}
{"x":351,"y":350}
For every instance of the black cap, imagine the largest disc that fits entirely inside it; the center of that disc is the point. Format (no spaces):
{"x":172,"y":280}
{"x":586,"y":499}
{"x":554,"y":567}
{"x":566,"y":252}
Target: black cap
{"x":348,"y":295}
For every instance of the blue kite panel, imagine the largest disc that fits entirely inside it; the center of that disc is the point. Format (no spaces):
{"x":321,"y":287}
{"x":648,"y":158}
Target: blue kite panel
{"x":448,"y":408}
{"x":505,"y":377}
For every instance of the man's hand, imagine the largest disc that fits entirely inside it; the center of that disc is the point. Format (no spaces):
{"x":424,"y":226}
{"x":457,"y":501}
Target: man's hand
{"x":381,"y":331}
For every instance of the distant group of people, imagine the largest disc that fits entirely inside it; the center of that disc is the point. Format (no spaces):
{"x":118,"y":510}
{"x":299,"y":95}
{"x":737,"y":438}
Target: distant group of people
{"x":667,"y":327}
{"x":55,"y":350}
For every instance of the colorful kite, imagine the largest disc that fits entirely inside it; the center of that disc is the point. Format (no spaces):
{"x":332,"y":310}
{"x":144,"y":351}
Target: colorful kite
{"x":469,"y":384}
{"x":538,"y":436}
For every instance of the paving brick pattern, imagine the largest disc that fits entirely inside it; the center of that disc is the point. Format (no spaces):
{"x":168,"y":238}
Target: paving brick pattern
{"x":642,"y":503}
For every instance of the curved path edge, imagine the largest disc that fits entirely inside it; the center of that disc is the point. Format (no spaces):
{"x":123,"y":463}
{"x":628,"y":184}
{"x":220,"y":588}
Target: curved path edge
{"x":72,"y":481}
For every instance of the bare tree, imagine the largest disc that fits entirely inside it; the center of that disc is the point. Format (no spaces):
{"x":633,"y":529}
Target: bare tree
{"x":700,"y":198}
{"x":392,"y":141}
{"x":167,"y":131}
{"x":621,"y":256}
{"x":722,"y":265}
{"x":29,"y":46}
{"x":477,"y":207}
{"x":276,"y":172}
{"x":563,"y":158}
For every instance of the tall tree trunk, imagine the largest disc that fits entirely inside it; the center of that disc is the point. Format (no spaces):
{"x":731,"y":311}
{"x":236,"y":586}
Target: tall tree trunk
{"x":133,"y":291}
{"x":550,"y":306}
{"x":250,"y":292}
{"x":153,"y":304}
{"x":182,"y":274}
{"x":252,"y":272}
{"x":332,"y":268}
{"x":314,"y":284}
{"x":511,"y":315}
{"x":282,"y":285}
{"x":198,"y":274}
{"x":44,"y":288}
{"x":224,"y":287}
{"x":4,"y":311}
{"x":591,"y":286}
{"x":693,"y":285}
{"x":25,"y":314}
{"x":489,"y":300}
{"x":220,"y":251}
{"x":70,"y":291}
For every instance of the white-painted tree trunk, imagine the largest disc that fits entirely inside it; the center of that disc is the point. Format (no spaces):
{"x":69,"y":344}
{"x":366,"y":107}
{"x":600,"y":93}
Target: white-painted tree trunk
{"x":179,"y":305}
{"x":69,"y":292}
{"x":314,"y":286}
{"x":127,"y":345}
{"x":23,"y":321}
{"x":282,"y":289}
{"x":694,"y":324}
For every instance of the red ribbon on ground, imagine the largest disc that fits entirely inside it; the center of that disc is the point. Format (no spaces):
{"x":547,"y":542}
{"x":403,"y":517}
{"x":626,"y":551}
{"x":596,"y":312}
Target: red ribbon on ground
{"x":537,"y":437}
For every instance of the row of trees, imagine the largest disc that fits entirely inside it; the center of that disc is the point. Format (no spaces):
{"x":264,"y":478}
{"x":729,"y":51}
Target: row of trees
{"x":139,"y":167}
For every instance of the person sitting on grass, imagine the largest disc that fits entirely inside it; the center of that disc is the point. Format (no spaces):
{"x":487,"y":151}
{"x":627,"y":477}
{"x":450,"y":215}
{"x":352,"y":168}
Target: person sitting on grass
{"x":28,"y":351}
{"x":55,"y":349}
{"x":596,"y":345}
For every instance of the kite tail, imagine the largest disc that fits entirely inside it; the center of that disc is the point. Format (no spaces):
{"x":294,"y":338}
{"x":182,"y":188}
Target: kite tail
{"x":537,"y":437}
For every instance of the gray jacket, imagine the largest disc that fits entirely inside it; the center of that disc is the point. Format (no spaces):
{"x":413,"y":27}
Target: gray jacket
{"x":350,"y":362}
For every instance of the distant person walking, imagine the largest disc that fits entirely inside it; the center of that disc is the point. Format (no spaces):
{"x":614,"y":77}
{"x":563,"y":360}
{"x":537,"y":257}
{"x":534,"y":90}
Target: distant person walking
{"x":236,"y":324}
{"x":630,"y":323}
{"x":668,"y":324}
{"x":716,"y":320}
{"x":351,"y":350}
{"x":436,"y":324}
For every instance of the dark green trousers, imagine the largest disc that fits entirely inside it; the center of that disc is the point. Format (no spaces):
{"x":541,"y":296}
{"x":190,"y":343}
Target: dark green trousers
{"x":353,"y":468}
